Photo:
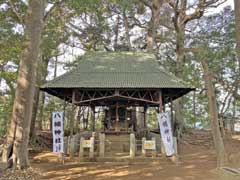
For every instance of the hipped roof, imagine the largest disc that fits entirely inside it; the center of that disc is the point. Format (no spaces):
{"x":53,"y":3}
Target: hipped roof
{"x":117,"y":70}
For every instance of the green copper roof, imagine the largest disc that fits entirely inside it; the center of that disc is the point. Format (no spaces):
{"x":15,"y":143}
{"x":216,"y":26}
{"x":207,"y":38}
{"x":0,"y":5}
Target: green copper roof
{"x":116,"y":70}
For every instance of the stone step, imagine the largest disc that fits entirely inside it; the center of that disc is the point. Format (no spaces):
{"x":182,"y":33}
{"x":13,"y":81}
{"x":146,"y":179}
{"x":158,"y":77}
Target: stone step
{"x":135,"y":160}
{"x":117,"y":143}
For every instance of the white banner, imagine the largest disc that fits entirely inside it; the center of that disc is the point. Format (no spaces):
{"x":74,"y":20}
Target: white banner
{"x":166,"y":132}
{"x":58,"y":132}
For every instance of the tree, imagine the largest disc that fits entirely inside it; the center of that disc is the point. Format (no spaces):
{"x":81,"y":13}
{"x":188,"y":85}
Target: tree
{"x":54,"y":33}
{"x":213,"y":49}
{"x":214,"y":40}
{"x":237,"y":26}
{"x":237,"y":30}
{"x":213,"y":116}
{"x":11,"y":44}
{"x":180,"y":20}
{"x":18,"y":133}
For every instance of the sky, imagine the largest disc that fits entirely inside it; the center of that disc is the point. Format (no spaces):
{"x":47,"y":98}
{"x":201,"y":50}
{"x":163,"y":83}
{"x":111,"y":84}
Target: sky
{"x":227,"y":3}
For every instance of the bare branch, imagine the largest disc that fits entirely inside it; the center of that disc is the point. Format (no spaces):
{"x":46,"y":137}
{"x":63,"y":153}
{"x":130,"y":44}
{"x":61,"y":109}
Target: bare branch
{"x":214,"y":3}
{"x":199,"y":10}
{"x":57,"y":4}
{"x":224,"y":103}
{"x":146,"y":3}
{"x":15,"y":12}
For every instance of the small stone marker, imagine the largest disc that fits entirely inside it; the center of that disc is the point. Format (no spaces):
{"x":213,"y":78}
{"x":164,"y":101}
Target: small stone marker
{"x":132,"y":145}
{"x":101,"y":144}
{"x":91,"y":154}
{"x":65,"y":144}
{"x":163,"y":152}
{"x":149,"y":145}
{"x":68,"y":144}
{"x":143,"y":144}
{"x":154,"y":149}
{"x":72,"y":147}
{"x":175,"y":145}
{"x":81,"y":148}
{"x":86,"y":143}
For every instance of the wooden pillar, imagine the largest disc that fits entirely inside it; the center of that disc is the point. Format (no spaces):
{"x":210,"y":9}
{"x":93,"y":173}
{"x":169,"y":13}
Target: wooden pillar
{"x":160,"y":100}
{"x":145,"y":116}
{"x":125,"y":119}
{"x":133,"y":118}
{"x":64,"y":105}
{"x":117,"y":118}
{"x":105,"y":120}
{"x":160,"y":104}
{"x":71,"y":124}
{"x":93,"y":117}
{"x":73,"y":96}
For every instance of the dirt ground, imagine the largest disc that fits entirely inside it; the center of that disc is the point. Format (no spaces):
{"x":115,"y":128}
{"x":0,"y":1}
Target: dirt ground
{"x":197,"y":165}
{"x":196,"y":161}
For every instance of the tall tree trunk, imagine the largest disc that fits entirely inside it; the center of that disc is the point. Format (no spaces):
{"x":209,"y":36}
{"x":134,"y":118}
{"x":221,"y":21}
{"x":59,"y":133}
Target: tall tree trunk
{"x":35,"y":111}
{"x":126,"y":25}
{"x":41,"y":109}
{"x":116,"y":31}
{"x":180,"y":56}
{"x":153,"y":24}
{"x":237,"y":29}
{"x":180,"y":33}
{"x":36,"y":97}
{"x":180,"y":19}
{"x":72,"y":118}
{"x":55,"y":67}
{"x":44,"y":73}
{"x":213,"y":116}
{"x":237,"y":26}
{"x":18,"y":134}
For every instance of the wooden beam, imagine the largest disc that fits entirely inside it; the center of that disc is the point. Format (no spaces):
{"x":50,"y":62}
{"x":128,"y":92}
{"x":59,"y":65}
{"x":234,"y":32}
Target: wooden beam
{"x":138,"y":99}
{"x":94,"y":99}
